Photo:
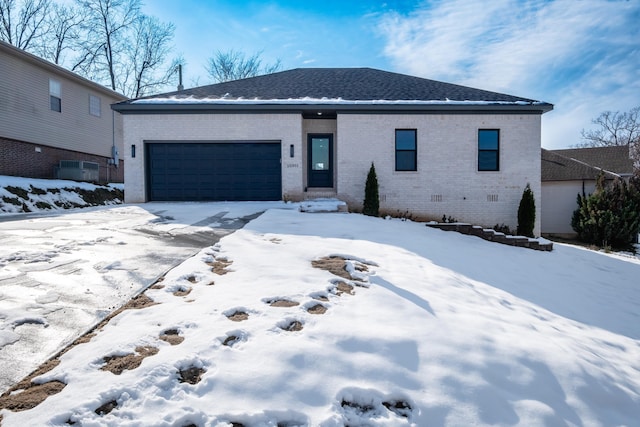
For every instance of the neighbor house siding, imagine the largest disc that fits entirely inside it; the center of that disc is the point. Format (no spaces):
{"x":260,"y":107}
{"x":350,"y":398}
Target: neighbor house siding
{"x":285,"y":128}
{"x":559,"y":199}
{"x":447,"y":180}
{"x":26,"y":115}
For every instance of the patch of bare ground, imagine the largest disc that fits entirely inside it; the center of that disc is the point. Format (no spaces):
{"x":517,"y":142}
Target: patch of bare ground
{"x":157,"y":284}
{"x":182,"y":291}
{"x":230,"y":340}
{"x":320,"y":298}
{"x":282,"y":303}
{"x":219,"y":266}
{"x":334,"y":265}
{"x":399,"y":407}
{"x":343,"y":288}
{"x":106,"y":408}
{"x":317,"y":309}
{"x":191,"y":375}
{"x":31,"y":397}
{"x":292,"y":326}
{"x":119,"y":364}
{"x":21,"y":391}
{"x":192,"y":279}
{"x":238,"y":316}
{"x":172,"y":336}
{"x":136,"y":303}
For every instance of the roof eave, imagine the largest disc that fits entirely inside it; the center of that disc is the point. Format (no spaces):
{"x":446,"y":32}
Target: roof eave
{"x":169,"y":108}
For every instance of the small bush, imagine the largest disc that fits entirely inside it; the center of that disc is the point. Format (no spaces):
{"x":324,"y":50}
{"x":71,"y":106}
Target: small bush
{"x":526,"y":213}
{"x":610,"y":217}
{"x":503,"y":228}
{"x":448,"y":219}
{"x":371,"y":194}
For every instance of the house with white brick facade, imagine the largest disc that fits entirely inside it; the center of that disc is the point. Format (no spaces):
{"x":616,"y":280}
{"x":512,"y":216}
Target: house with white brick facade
{"x":438,"y":148}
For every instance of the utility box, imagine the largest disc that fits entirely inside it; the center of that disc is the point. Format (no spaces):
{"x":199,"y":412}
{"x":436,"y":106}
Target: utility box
{"x":77,"y":170}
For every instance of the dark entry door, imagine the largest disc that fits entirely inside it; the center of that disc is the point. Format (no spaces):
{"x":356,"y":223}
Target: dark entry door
{"x":320,"y":155}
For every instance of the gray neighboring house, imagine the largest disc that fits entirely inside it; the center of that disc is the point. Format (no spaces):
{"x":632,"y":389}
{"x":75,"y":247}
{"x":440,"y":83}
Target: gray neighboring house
{"x":438,"y":148}
{"x":616,"y":159}
{"x":569,"y":172}
{"x":49,"y":114}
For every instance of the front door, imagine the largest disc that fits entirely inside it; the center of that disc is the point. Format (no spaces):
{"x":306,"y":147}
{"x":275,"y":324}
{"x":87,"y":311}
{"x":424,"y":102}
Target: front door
{"x":320,"y":155}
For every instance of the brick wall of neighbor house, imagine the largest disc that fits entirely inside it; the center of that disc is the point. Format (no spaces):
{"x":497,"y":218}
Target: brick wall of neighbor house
{"x":286,"y":128}
{"x":560,"y":201}
{"x":24,"y":159}
{"x":447,"y":181}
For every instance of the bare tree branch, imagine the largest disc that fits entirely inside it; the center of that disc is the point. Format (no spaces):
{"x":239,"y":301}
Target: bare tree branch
{"x":234,"y":65}
{"x":615,"y":128}
{"x":148,"y":52}
{"x":28,"y":26}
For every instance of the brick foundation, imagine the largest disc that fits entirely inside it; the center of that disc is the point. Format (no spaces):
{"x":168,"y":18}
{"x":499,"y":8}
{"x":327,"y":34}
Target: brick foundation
{"x":18,"y":158}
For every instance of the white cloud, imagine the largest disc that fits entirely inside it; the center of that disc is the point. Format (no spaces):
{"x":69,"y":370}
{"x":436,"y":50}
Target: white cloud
{"x":582,"y":56}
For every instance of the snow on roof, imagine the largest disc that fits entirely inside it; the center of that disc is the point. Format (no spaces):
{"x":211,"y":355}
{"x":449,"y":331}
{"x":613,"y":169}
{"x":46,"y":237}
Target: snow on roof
{"x":319,"y":101}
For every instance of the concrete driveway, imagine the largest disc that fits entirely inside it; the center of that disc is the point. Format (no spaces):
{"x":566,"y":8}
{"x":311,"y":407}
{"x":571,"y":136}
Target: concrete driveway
{"x":60,"y":274}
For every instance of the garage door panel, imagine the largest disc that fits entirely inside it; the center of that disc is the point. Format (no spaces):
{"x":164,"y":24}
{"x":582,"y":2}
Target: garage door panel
{"x":214,"y":171}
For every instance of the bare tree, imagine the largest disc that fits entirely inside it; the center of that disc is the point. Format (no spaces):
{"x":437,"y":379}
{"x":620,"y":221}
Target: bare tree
{"x":64,"y":24}
{"x":234,"y":65}
{"x":148,"y":52}
{"x":614,"y":128}
{"x":106,"y":25}
{"x":22,"y":26}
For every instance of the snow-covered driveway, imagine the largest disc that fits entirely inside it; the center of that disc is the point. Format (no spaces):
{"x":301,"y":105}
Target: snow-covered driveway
{"x":62,"y":273}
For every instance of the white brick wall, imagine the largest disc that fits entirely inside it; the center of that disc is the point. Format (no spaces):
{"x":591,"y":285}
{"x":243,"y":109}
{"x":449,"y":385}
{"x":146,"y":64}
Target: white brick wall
{"x":446,"y":183}
{"x":286,"y":128}
{"x":447,"y":165}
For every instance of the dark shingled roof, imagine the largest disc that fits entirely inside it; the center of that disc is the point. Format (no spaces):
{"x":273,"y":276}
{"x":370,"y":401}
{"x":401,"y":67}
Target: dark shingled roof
{"x":615,"y":159}
{"x":336,"y":85}
{"x":556,"y":167}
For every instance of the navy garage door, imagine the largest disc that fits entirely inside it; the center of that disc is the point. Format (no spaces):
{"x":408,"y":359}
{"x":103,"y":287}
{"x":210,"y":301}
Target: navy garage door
{"x":189,"y":171}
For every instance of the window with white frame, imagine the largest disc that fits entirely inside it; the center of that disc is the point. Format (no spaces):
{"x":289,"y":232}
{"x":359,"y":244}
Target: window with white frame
{"x":55,"y":95}
{"x":94,"y":105}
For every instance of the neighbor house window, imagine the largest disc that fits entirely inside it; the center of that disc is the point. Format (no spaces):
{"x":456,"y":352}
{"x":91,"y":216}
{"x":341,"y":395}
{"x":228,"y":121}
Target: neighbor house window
{"x":55,"y":95}
{"x":488,"y":150}
{"x":406,"y":148}
{"x":94,"y":105}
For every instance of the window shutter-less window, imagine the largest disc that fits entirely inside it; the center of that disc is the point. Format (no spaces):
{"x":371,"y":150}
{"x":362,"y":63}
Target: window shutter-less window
{"x":55,"y":95}
{"x":488,"y":150}
{"x":406,"y":150}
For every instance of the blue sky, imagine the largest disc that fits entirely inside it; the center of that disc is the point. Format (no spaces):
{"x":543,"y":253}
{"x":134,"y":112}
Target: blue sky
{"x":581,"y":56}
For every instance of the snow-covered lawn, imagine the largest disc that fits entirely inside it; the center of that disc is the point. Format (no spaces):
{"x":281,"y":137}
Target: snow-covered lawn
{"x":62,"y":272}
{"x":434,"y":328}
